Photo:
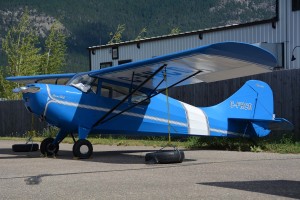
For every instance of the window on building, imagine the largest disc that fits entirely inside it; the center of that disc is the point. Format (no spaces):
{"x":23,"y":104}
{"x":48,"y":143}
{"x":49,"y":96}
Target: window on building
{"x":115,"y":53}
{"x":124,"y":61}
{"x":295,"y":5}
{"x":105,"y":64}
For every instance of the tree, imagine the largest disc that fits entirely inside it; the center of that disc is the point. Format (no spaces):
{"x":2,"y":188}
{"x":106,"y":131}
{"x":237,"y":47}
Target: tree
{"x":142,"y":34}
{"x":20,"y":46}
{"x":117,"y":36}
{"x":54,"y":58}
{"x":175,"y":30}
{"x":5,"y":87}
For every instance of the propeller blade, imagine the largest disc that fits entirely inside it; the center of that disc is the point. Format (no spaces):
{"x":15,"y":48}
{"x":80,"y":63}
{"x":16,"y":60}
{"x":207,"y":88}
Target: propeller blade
{"x":26,"y":90}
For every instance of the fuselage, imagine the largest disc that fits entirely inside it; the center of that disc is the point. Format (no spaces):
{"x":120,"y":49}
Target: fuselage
{"x":69,"y":108}
{"x":76,"y":109}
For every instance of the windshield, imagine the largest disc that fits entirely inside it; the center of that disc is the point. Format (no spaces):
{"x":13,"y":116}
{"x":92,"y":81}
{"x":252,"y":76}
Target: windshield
{"x":82,"y":82}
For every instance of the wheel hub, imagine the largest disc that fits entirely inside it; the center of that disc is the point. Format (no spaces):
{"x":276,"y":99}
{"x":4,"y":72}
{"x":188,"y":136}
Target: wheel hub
{"x":51,"y":148}
{"x":84,"y":149}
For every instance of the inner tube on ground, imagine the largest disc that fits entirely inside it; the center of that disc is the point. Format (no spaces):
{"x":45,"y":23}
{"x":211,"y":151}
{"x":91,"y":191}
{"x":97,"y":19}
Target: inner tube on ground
{"x":165,"y":157}
{"x":25,"y":147}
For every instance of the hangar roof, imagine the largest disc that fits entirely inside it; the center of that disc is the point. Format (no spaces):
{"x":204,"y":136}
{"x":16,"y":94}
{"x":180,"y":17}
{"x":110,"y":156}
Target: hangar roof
{"x":200,"y":32}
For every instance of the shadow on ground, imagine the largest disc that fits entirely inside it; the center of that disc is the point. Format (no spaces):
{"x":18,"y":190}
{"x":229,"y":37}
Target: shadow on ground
{"x":283,"y":188}
{"x":113,"y":157}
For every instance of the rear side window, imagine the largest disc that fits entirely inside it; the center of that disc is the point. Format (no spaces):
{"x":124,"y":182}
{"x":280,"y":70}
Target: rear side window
{"x":119,"y":92}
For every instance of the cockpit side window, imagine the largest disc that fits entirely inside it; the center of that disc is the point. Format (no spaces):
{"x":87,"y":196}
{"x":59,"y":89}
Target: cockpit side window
{"x":85,"y":83}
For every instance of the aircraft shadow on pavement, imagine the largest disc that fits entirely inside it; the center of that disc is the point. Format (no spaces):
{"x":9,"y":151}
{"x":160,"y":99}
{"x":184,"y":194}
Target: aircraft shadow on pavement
{"x":10,"y":154}
{"x":283,"y":188}
{"x":113,"y":157}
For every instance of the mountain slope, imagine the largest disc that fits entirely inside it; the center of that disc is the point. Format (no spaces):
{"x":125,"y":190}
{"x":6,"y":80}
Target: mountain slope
{"x":89,"y":23}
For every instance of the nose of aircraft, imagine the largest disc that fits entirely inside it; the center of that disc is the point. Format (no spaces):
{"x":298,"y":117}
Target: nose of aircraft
{"x":35,"y":97}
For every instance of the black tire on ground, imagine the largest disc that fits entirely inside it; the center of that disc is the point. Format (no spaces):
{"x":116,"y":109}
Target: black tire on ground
{"x":165,"y":157}
{"x":48,"y":148}
{"x":25,"y":147}
{"x":82,"y":149}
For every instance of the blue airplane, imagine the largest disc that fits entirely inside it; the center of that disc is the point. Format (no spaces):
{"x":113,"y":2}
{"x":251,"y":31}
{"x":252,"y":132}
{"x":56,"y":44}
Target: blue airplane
{"x":128,"y":99}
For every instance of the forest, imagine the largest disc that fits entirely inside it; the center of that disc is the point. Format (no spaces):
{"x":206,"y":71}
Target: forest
{"x":90,"y":23}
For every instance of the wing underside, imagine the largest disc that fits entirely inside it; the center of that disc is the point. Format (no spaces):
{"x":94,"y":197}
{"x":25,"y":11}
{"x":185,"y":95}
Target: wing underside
{"x":209,"y":63}
{"x":60,"y":79}
{"x":204,"y":64}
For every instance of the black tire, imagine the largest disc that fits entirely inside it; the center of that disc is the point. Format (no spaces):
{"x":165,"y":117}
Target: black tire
{"x":165,"y":157}
{"x":82,"y":149}
{"x":25,"y":147}
{"x":48,"y":148}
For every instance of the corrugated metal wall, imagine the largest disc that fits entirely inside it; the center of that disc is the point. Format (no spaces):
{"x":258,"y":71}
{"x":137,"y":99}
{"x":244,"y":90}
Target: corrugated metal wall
{"x":293,"y":35}
{"x":287,"y":31}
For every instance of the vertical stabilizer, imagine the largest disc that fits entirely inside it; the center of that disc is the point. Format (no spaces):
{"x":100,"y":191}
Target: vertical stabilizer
{"x":245,"y":113}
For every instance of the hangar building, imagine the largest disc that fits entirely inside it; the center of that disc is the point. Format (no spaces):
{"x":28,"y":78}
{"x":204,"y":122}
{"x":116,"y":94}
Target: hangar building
{"x":280,"y":35}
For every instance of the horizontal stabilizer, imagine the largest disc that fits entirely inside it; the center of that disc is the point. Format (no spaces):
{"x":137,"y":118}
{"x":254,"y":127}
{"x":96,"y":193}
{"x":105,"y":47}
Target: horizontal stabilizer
{"x":263,"y":126}
{"x":277,"y":124}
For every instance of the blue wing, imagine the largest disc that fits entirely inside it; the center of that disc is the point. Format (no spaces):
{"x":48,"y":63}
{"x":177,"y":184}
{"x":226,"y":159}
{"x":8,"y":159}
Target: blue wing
{"x":60,"y":79}
{"x":210,"y":63}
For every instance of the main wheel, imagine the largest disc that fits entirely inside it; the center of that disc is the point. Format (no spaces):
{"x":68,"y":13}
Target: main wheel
{"x":48,"y":148}
{"x":82,"y":149}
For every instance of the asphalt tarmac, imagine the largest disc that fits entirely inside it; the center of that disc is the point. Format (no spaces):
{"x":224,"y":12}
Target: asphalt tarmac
{"x":120,"y":172}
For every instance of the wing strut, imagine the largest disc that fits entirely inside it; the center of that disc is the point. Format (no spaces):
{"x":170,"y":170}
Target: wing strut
{"x":150,"y":96}
{"x":129,"y":95}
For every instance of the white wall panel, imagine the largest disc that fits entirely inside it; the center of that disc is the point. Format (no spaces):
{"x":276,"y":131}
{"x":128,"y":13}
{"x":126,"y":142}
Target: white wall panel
{"x":287,"y":31}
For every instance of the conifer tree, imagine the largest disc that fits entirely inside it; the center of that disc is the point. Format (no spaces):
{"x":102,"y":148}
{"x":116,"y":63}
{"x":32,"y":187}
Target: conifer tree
{"x":54,"y":58}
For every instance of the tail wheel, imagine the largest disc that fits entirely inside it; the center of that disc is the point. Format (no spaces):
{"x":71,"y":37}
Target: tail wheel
{"x":82,"y":149}
{"x":48,"y":148}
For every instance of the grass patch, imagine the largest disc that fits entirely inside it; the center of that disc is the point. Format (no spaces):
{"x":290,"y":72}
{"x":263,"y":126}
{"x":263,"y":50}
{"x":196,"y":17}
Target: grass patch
{"x":284,"y":144}
{"x":217,"y":143}
{"x":113,"y":141}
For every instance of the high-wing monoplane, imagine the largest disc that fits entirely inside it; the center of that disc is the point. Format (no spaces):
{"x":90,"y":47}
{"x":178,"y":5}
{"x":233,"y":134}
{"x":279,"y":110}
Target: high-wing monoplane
{"x":129,"y":98}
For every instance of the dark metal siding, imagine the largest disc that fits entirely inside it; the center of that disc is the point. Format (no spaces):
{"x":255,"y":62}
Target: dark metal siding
{"x":15,"y":120}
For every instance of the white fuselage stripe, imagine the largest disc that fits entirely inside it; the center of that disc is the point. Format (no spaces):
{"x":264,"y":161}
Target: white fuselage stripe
{"x":96,"y":108}
{"x":197,"y":120}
